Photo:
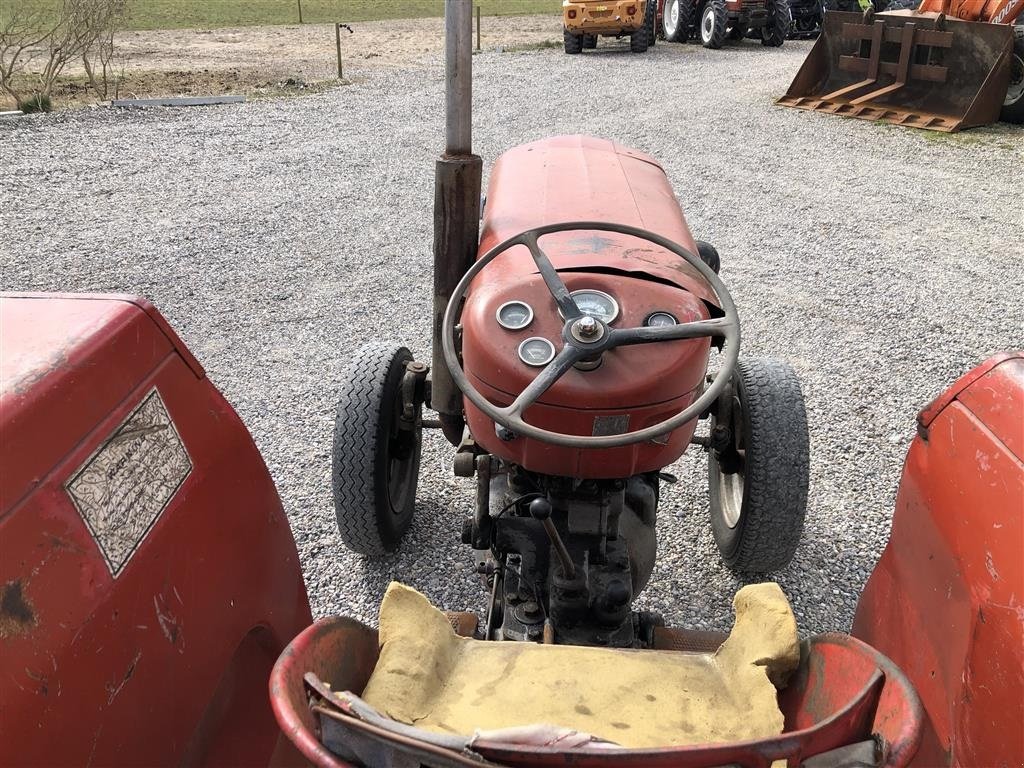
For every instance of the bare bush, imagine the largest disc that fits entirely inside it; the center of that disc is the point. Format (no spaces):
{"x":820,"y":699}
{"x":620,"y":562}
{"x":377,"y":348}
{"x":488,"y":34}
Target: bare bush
{"x":21,"y":33}
{"x":100,"y":60}
{"x":81,"y":29}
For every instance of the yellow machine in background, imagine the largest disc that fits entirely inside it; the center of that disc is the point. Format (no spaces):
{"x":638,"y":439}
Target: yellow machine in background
{"x":583,"y":21}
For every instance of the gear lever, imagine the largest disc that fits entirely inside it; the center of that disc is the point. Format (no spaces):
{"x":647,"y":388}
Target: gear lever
{"x":540,"y":509}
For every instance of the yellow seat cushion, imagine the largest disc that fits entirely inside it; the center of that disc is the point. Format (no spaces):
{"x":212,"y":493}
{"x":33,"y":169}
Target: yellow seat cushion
{"x":429,"y":677}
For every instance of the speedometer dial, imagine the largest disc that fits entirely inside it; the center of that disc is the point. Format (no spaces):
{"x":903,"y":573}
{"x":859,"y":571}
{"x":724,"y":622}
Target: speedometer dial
{"x":596,"y":304}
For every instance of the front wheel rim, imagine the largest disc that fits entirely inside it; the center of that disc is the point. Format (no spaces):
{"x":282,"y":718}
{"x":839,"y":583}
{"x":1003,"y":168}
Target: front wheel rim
{"x":672,"y":18}
{"x":730,"y":493}
{"x":1016,"y":88}
{"x":707,"y":25}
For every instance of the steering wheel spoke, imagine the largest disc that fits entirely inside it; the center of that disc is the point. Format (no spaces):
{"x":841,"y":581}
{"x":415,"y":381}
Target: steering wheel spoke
{"x":566,"y":303}
{"x":715,"y":328}
{"x":552,"y":372}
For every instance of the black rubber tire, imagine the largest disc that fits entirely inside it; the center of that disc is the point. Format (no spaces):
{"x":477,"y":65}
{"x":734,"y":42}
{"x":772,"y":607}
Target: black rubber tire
{"x":651,"y":22}
{"x":714,"y":20}
{"x":709,"y":255}
{"x":589,"y":42}
{"x":573,"y":43}
{"x":780,"y":20}
{"x":373,"y":504}
{"x":1013,"y":112}
{"x":681,"y":32}
{"x":638,"y":41}
{"x":775,"y":471}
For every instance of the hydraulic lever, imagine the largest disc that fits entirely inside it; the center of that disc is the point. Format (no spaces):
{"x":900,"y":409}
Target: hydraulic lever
{"x":540,"y":509}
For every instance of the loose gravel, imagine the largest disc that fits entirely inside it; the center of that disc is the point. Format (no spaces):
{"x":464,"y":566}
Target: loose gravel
{"x":277,"y":236}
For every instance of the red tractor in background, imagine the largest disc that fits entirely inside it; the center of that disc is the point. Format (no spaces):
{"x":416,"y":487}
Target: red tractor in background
{"x":713,"y":22}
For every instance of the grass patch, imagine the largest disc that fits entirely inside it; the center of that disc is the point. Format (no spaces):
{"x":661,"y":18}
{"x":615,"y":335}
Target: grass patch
{"x":37,"y":102}
{"x":183,"y":14}
{"x":543,"y":45}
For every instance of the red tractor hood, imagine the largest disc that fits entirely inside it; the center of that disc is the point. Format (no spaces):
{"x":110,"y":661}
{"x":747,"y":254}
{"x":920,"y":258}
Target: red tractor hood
{"x":581,"y":178}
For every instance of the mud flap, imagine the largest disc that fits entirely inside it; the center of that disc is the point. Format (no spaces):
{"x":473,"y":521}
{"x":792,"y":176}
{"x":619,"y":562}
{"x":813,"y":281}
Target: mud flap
{"x":918,"y":69}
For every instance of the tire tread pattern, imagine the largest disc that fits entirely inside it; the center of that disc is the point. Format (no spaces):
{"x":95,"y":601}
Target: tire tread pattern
{"x":354,"y":467}
{"x":776,"y":470}
{"x":780,"y":20}
{"x":717,"y":39}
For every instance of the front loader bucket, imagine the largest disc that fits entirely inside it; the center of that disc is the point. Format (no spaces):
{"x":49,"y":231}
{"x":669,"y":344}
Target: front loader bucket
{"x":906,"y":68}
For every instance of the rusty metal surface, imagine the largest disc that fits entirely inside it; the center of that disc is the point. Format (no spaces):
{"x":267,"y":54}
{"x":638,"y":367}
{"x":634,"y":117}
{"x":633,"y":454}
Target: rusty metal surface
{"x":687,"y":640}
{"x":339,"y":651}
{"x":906,"y":68}
{"x":456,"y":231}
{"x":944,"y":600}
{"x":136,"y":659}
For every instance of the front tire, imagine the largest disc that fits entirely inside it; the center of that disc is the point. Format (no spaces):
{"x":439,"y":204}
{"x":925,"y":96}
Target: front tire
{"x":573,"y":43}
{"x":651,"y":22}
{"x":675,"y":20}
{"x":714,"y":21}
{"x":758,"y":482}
{"x":589,"y":42}
{"x":375,"y":463}
{"x":780,"y":19}
{"x":1013,"y":105}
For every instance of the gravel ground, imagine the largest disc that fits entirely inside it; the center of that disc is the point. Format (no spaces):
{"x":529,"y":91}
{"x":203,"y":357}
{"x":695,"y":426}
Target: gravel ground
{"x":279,"y":235}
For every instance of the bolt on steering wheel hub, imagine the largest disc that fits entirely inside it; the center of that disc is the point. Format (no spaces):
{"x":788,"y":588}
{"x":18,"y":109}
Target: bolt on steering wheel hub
{"x":586,"y":329}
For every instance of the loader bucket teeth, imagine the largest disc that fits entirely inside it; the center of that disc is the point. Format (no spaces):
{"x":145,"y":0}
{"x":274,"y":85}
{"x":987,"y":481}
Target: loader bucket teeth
{"x":919,"y":69}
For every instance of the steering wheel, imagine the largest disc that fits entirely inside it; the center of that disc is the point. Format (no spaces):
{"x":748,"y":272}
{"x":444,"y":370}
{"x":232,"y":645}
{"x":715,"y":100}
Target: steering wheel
{"x":586,"y":337}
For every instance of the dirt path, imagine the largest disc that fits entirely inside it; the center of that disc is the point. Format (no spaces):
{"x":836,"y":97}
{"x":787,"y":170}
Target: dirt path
{"x":280,"y":59}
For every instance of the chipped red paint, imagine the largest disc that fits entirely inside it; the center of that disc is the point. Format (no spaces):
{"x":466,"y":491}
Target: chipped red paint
{"x":166,"y":663}
{"x":946,"y":601}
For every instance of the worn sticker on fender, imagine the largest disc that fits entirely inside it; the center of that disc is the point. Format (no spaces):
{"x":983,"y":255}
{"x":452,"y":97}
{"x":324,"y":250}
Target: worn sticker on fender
{"x":128,"y":481}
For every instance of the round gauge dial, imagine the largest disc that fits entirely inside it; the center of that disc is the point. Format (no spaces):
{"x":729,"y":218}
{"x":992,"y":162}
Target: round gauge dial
{"x":514,"y":315}
{"x":660,"y":320}
{"x":536,"y":351}
{"x":596,"y":304}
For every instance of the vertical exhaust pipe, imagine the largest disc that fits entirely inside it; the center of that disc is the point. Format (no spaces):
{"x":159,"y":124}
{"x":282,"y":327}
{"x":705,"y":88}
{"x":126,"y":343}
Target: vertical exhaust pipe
{"x":457,"y":181}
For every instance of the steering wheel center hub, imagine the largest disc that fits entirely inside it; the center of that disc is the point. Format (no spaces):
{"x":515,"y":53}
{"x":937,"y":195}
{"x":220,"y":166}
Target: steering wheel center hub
{"x":586,"y":329}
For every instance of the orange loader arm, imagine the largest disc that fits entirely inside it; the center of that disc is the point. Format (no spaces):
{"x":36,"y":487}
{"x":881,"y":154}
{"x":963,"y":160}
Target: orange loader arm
{"x":992,"y":11}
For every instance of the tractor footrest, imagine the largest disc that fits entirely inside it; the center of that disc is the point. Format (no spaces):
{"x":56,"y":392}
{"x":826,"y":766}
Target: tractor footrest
{"x":687,"y":640}
{"x":463,"y":622}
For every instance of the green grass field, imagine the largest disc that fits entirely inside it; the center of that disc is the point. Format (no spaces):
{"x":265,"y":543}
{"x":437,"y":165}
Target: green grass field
{"x":175,"y":14}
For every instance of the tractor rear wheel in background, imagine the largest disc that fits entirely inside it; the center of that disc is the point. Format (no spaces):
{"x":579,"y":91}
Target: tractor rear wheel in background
{"x":376,"y":458}
{"x":714,"y":21}
{"x":1013,"y":105}
{"x":737,"y":30}
{"x":590,"y":42}
{"x":780,"y":19}
{"x":573,"y":43}
{"x":675,"y":20}
{"x":758,"y":463}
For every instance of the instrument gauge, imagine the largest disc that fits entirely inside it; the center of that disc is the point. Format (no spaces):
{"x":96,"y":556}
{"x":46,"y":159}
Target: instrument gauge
{"x":596,"y":304}
{"x":514,"y":315}
{"x":536,"y":351}
{"x":660,"y":320}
